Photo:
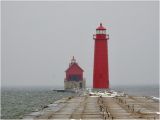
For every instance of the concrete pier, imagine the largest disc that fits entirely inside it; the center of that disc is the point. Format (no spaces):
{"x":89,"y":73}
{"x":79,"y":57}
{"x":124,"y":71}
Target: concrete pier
{"x":98,"y":108}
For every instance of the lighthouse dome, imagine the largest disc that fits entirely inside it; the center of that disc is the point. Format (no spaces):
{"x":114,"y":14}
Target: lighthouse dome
{"x":101,"y":27}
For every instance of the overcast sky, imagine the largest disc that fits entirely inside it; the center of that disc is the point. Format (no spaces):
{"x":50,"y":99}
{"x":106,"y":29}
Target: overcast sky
{"x":40,"y":38}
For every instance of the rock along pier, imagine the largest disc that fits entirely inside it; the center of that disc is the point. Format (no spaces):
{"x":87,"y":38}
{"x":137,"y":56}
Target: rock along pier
{"x":100,"y":107}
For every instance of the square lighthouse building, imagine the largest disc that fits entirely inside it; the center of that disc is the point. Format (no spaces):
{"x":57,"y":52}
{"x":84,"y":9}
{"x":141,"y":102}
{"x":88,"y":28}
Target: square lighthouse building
{"x":74,"y":76}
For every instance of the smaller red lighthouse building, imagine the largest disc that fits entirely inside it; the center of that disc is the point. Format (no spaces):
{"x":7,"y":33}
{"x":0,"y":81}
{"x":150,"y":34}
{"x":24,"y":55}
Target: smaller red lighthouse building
{"x":74,"y":76}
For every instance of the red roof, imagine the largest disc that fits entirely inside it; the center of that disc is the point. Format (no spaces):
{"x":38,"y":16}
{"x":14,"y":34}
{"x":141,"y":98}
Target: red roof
{"x":72,"y":65}
{"x":101,"y":27}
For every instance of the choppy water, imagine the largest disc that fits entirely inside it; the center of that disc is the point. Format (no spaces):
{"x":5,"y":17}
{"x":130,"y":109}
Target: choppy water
{"x":139,"y":90}
{"x":16,"y":102}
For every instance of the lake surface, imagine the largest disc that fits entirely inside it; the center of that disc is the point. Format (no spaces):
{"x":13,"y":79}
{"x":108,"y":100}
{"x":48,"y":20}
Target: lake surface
{"x":139,"y":90}
{"x":17,"y":102}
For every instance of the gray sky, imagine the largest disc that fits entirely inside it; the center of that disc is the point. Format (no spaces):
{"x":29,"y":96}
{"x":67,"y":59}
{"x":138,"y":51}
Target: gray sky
{"x":40,"y":38}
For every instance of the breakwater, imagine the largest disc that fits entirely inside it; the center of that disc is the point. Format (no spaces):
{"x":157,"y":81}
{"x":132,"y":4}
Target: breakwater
{"x":100,"y":107}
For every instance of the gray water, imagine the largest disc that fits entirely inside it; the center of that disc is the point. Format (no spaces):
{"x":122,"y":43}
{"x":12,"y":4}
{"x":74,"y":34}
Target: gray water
{"x":17,"y":102}
{"x":139,"y":90}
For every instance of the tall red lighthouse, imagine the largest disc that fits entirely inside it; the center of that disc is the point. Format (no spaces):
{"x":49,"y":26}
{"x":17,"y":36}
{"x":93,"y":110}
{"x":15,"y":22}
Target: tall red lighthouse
{"x":101,"y":72}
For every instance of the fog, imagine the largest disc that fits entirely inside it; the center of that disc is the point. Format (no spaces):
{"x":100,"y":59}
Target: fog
{"x":40,"y":38}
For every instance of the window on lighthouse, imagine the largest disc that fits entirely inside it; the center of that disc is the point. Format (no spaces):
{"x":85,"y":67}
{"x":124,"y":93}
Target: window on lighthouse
{"x":104,"y":32}
{"x":98,"y":32}
{"x":101,"y":32}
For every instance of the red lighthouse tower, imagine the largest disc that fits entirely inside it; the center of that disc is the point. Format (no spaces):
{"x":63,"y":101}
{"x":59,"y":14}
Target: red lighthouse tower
{"x":101,"y":72}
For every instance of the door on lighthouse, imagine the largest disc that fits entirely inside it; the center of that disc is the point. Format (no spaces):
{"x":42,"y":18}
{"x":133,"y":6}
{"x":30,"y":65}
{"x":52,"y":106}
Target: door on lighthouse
{"x":80,"y":85}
